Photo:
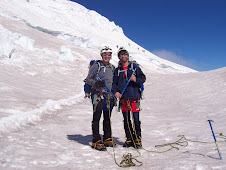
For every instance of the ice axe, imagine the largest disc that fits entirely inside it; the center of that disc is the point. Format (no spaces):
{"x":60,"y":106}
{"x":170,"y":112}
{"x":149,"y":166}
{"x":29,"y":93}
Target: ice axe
{"x":215,"y":138}
{"x":129,"y":79}
{"x":105,"y":85}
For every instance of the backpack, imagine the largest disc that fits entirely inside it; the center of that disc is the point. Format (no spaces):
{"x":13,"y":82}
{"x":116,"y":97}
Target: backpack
{"x":87,"y":87}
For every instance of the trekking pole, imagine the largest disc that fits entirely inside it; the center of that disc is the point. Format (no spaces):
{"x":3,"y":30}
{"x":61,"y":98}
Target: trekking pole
{"x":105,"y":85}
{"x":129,"y":79}
{"x":215,"y":139}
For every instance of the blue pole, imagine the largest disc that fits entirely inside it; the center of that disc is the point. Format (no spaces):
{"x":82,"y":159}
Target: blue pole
{"x":215,"y":139}
{"x":105,"y":85}
{"x":129,"y":79}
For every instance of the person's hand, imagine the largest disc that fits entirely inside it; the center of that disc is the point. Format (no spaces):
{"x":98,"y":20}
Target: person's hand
{"x":118,"y":95}
{"x":133,"y":78}
{"x":100,"y":83}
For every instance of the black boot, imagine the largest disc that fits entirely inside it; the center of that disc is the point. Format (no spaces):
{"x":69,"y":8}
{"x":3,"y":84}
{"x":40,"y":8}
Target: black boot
{"x":138,"y":134}
{"x":99,"y":146}
{"x":97,"y":143}
{"x":128,"y":143}
{"x":128,"y":132}
{"x":108,"y":141}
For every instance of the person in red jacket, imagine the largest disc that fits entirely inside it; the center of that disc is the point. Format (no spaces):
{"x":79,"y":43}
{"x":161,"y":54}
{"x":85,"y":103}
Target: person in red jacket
{"x":130,"y":99}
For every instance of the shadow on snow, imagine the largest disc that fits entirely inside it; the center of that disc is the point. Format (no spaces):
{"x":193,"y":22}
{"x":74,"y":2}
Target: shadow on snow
{"x":86,"y":140}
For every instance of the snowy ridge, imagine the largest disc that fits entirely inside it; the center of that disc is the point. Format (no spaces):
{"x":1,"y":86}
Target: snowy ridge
{"x":21,"y":119}
{"x":84,"y":28}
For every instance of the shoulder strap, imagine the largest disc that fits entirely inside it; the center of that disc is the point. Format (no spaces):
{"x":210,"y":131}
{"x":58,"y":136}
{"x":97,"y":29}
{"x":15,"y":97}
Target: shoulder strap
{"x":99,"y":66}
{"x":98,"y":63}
{"x":133,"y":65}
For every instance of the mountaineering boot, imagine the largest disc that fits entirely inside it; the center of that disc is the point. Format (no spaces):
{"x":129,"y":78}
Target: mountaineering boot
{"x":110,"y":142}
{"x":95,"y":131}
{"x":138,"y":143}
{"x":138,"y":135}
{"x":98,"y":146}
{"x":128,"y":143}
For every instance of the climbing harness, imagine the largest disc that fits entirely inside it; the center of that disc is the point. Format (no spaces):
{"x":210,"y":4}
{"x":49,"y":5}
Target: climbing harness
{"x":105,"y":85}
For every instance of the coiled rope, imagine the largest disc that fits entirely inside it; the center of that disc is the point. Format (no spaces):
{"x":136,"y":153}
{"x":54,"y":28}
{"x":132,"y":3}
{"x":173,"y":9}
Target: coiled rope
{"x":127,"y":159}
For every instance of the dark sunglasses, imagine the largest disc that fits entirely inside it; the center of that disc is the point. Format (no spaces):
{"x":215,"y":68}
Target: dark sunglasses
{"x":123,"y":54}
{"x":105,"y":54}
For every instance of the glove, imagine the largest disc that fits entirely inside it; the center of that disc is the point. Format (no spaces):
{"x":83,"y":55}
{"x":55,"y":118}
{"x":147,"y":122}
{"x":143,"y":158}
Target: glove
{"x":100,"y":83}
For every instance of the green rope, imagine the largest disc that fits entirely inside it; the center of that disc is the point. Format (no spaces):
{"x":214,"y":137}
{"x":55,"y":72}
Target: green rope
{"x":127,"y":160}
{"x":183,"y":141}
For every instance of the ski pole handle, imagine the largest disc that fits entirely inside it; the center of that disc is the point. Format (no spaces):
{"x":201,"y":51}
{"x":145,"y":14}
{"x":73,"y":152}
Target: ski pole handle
{"x":215,"y":139}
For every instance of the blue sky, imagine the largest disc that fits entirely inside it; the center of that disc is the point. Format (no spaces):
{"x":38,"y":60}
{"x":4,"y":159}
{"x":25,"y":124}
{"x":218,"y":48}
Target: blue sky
{"x":187,"y":32}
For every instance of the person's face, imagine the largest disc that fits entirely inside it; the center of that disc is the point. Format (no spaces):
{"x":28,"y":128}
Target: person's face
{"x":123,"y":56}
{"x":106,"y":57}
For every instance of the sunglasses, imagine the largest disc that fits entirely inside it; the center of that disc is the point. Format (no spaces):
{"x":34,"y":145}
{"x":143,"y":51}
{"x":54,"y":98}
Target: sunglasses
{"x":105,"y":54}
{"x":123,"y":54}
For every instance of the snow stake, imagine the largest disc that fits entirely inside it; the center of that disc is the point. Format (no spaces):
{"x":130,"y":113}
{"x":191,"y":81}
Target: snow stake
{"x":215,"y":139}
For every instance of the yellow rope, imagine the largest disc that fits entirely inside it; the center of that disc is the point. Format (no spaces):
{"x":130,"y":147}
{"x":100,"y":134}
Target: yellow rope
{"x":127,"y":160}
{"x":183,"y":141}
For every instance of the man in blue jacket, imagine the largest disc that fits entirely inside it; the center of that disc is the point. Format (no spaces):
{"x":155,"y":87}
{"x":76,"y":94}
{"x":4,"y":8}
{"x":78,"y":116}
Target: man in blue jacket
{"x":130,"y":99}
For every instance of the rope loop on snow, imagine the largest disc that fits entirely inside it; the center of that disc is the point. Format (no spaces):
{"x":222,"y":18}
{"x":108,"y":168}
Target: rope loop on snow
{"x":183,"y":141}
{"x":128,"y":161}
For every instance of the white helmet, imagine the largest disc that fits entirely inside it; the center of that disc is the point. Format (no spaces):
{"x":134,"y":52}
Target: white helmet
{"x":105,"y":49}
{"x":122,"y":49}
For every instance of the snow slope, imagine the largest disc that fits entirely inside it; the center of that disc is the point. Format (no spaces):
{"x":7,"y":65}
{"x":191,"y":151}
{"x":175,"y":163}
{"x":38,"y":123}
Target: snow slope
{"x":45,"y":123}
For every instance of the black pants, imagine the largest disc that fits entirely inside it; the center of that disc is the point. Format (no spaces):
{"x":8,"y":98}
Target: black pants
{"x":96,"y":120}
{"x":129,"y":129}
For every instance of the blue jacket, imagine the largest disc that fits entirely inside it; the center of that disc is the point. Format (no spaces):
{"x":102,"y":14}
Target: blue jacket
{"x":133,"y":89}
